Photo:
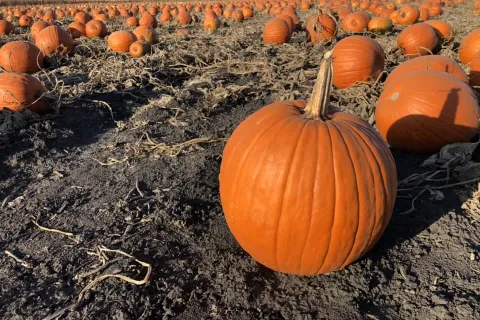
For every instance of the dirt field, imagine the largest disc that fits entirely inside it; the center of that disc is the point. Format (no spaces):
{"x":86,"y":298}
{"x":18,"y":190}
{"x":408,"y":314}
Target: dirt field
{"x":132,"y":162}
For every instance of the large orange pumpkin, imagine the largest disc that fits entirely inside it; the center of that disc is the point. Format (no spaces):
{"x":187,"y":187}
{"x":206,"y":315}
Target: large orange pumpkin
{"x":276,"y":31}
{"x":357,"y":59}
{"x":304,"y":190}
{"x":21,"y":57}
{"x":426,"y":110}
{"x":355,"y":22}
{"x":20,"y":91}
{"x":321,"y":29}
{"x":96,"y":28}
{"x":408,"y":15}
{"x":120,"y":41}
{"x":54,"y":39}
{"x":432,"y":62}
{"x":147,"y":34}
{"x":469,"y":46}
{"x":417,"y":40}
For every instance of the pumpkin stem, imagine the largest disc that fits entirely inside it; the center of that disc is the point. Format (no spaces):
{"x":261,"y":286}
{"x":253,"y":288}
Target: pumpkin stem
{"x":317,"y":106}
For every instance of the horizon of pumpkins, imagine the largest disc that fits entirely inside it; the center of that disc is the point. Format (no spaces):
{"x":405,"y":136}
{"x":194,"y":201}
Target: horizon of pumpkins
{"x":427,"y":102}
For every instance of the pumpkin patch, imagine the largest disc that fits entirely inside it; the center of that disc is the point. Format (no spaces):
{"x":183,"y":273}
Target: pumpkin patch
{"x":252,"y":159}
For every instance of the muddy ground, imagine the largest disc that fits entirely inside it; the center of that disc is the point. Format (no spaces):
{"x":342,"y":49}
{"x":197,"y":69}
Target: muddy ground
{"x":131,"y":163}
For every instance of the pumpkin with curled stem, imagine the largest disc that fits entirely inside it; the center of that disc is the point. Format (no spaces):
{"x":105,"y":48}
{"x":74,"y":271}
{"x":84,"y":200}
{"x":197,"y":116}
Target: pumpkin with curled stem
{"x":20,"y":91}
{"x":422,"y":111}
{"x":305,"y":189}
{"x":357,"y":59}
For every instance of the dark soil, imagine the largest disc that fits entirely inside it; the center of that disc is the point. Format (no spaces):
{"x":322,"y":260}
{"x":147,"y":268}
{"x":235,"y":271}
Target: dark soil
{"x":131,"y":183}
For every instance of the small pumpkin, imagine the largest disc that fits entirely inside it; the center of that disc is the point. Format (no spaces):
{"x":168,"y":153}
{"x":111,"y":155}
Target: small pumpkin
{"x":120,"y":41}
{"x":237,"y":16}
{"x":443,"y":29}
{"x":184,"y":18}
{"x":417,"y":40}
{"x":82,"y":17}
{"x":25,"y":21}
{"x":276,"y":31}
{"x":355,"y":22}
{"x":131,"y":22}
{"x":96,"y":29}
{"x":147,"y":34}
{"x":408,"y":15}
{"x":77,"y":30}
{"x":469,"y":46}
{"x":425,"y":110}
{"x":21,"y":57}
{"x":357,"y":59}
{"x":20,"y":91}
{"x":54,"y":39}
{"x":380,"y":25}
{"x":305,"y":189}
{"x":211,"y":23}
{"x":148,"y":20}
{"x":430,"y":62}
{"x":140,"y":48}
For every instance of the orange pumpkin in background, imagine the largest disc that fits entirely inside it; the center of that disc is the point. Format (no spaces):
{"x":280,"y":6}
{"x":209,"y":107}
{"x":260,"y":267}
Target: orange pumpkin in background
{"x":417,"y":40}
{"x":120,"y":41}
{"x":54,"y":39}
{"x":469,"y":47}
{"x":422,"y":111}
{"x":276,"y":31}
{"x":430,"y":62}
{"x":357,"y":59}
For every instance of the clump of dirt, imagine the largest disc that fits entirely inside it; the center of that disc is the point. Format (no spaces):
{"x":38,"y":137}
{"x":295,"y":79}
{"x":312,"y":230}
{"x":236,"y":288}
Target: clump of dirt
{"x":131,"y":162}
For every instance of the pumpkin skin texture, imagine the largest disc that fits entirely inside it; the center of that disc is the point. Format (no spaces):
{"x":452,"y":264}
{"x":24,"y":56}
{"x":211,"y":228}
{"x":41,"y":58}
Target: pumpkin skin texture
{"x":276,"y":32}
{"x":54,"y":39}
{"x":469,"y":46}
{"x":21,"y":57}
{"x":356,"y":59}
{"x":19,"y":91}
{"x":417,"y":40}
{"x":432,"y":62}
{"x":425,"y":110}
{"x":306,"y":196}
{"x":444,"y":30}
{"x":120,"y":41}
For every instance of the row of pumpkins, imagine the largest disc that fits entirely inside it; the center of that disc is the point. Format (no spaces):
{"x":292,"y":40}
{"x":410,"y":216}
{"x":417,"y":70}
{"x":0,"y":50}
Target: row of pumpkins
{"x":323,"y":28}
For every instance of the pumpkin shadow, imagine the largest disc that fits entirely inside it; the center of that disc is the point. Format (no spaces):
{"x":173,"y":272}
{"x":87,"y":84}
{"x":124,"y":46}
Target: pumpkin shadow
{"x":405,"y":223}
